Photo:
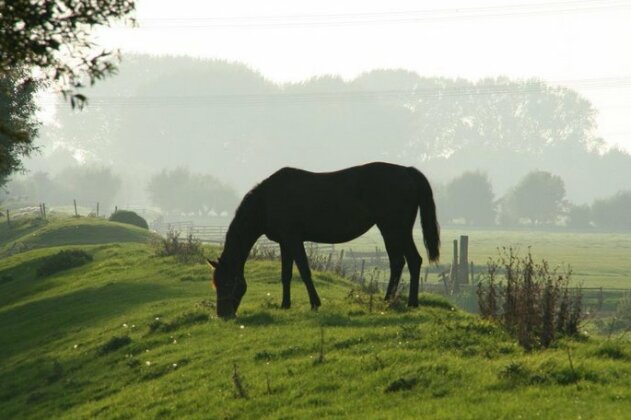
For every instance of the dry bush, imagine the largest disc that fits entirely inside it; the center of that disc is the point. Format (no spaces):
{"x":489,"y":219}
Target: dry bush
{"x":184,"y":250}
{"x":531,"y":300}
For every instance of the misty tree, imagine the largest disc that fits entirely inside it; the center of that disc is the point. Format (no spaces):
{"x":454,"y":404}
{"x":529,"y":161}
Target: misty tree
{"x":35,"y":188}
{"x":470,"y":196}
{"x":579,"y":217}
{"x":18,"y":126}
{"x":613,"y":212}
{"x":180,"y":191}
{"x":538,"y":197}
{"x":89,"y":185}
{"x":500,"y":114}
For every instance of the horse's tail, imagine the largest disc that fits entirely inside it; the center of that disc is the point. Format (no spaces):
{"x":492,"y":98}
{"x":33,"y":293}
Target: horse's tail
{"x":429,"y":223}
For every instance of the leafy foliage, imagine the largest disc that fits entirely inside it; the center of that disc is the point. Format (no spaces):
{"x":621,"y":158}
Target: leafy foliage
{"x":63,"y":260}
{"x":54,"y":36}
{"x":18,"y":126}
{"x":130,"y":218}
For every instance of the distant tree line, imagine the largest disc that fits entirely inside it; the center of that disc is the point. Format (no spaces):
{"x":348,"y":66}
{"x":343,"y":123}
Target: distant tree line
{"x":174,"y":191}
{"x":537,"y":200}
{"x":81,"y":183}
{"x":182,"y":191}
{"x":175,"y":111}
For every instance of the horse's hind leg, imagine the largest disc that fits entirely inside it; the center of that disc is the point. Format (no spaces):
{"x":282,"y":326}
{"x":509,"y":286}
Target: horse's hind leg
{"x":300,"y":256}
{"x":287,"y":263}
{"x":395,"y":255}
{"x":414,"y":261}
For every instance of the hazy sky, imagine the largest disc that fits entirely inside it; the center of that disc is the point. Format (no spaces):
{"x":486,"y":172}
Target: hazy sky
{"x":581,"y":44}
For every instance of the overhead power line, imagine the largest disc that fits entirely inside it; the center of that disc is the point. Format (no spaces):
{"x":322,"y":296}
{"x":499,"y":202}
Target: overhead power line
{"x":345,"y":96}
{"x":408,"y":16}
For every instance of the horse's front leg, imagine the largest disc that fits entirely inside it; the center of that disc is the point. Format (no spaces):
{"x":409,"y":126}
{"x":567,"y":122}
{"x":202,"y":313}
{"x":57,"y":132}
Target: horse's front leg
{"x":287,"y":263}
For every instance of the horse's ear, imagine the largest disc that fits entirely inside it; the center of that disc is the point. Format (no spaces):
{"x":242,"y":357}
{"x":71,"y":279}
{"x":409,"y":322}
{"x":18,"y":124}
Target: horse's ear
{"x":212,"y":264}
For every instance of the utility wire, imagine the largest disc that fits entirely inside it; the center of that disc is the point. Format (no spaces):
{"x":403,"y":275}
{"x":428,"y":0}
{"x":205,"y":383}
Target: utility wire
{"x":333,"y":97}
{"x":410,"y":16}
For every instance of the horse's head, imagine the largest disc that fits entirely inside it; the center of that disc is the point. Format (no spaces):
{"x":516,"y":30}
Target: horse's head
{"x":230,"y":287}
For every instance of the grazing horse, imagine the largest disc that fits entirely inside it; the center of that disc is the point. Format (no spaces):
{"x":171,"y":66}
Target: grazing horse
{"x":293,"y":206}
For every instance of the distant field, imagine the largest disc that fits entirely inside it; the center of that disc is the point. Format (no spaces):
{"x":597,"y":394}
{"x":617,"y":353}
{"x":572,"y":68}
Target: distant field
{"x":597,"y":259}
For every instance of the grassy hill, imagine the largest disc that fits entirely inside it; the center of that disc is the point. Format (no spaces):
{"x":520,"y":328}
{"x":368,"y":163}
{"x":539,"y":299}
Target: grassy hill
{"x":29,"y":233}
{"x":134,"y":335}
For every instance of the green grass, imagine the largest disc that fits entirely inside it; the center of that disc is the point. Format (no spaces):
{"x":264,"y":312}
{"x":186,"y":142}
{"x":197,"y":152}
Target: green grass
{"x":133,"y":335}
{"x":30,"y":233}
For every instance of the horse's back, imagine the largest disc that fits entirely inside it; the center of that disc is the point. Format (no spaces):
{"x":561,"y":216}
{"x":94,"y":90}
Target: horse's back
{"x":337,"y":206}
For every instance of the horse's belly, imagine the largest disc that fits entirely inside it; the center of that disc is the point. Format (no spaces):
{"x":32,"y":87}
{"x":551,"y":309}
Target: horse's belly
{"x":337,"y":234}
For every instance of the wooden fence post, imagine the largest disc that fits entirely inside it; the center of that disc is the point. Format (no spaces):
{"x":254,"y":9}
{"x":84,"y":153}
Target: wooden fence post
{"x":44,"y":210}
{"x":361,"y":274}
{"x":328,"y":262}
{"x":453,"y":274}
{"x":424,"y":279}
{"x":97,"y":209}
{"x":8,"y":219}
{"x":75,"y":208}
{"x":463,"y":265}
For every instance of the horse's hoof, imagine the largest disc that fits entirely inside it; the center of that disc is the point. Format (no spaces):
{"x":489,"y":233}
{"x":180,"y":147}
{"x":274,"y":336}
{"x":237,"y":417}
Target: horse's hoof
{"x":314,"y":308}
{"x":285,"y":306}
{"x":412,"y":304}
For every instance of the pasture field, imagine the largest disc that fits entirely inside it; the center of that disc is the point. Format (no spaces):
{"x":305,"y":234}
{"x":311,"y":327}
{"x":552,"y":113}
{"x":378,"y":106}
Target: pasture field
{"x":597,"y":259}
{"x":134,"y":335}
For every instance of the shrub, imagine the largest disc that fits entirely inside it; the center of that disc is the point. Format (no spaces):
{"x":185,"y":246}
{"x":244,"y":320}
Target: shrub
{"x":129,"y":217}
{"x":187,"y":250}
{"x":114,"y":344}
{"x":533,"y":302}
{"x":63,"y":260}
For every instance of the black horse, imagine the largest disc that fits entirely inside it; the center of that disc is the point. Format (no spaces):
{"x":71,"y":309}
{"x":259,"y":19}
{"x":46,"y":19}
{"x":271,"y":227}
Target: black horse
{"x":293,"y":206}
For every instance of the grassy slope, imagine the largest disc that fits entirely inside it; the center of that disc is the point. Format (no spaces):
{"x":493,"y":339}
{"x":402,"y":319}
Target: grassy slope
{"x":35,"y":233}
{"x":438,"y":361}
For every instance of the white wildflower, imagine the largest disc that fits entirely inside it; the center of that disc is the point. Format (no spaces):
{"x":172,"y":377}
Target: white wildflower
{"x":148,"y":363}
